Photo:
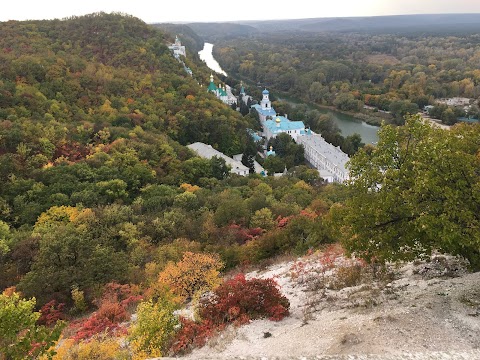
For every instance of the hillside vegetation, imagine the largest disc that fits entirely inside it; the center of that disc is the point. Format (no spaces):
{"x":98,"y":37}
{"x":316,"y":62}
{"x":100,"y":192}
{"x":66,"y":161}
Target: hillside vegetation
{"x":105,"y":213}
{"x":99,"y":196}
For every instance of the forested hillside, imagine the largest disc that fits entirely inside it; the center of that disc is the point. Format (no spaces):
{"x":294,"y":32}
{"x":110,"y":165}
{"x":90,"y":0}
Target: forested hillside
{"x":189,"y":38}
{"x":99,"y":193}
{"x":391,"y":72}
{"x":104,"y":212}
{"x":445,"y":24}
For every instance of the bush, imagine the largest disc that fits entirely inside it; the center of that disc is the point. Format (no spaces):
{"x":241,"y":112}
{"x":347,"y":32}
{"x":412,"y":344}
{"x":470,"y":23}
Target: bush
{"x":191,"y":335}
{"x":236,"y":301}
{"x":20,"y":336}
{"x":239,"y":297}
{"x":96,"y":348}
{"x":348,"y":275}
{"x":154,"y":329}
{"x":194,"y":273}
{"x":93,"y":325}
{"x":78,"y":297}
{"x":51,"y":312}
{"x":113,"y":308}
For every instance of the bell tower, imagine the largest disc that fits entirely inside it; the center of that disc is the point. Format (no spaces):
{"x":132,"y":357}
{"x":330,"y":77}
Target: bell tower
{"x":266,"y":103}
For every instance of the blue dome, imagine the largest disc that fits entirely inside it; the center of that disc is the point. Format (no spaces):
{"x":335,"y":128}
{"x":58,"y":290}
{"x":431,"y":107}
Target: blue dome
{"x":265,"y":92}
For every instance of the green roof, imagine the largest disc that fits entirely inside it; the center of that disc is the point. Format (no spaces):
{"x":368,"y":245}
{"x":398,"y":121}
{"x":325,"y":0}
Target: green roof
{"x":212,"y":87}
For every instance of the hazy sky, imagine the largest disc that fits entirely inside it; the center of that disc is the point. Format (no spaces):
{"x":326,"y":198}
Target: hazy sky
{"x":228,"y":10}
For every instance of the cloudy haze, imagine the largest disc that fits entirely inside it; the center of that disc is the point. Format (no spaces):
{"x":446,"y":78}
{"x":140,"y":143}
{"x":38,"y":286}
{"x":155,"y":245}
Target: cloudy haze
{"x":214,"y":10}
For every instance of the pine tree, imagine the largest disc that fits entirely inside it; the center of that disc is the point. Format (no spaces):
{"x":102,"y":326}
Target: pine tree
{"x":248,"y":157}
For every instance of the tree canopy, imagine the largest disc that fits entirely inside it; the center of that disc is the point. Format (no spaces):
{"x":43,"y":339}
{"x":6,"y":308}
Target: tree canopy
{"x":417,"y":191}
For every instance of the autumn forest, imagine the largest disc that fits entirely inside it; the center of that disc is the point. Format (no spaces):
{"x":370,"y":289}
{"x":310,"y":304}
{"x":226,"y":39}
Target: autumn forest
{"x":105,"y":213}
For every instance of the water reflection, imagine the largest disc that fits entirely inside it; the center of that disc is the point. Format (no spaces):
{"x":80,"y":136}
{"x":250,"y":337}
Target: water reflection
{"x":207,"y":56}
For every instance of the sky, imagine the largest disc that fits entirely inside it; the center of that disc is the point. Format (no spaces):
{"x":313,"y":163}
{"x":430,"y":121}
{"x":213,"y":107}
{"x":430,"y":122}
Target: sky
{"x":152,"y":11}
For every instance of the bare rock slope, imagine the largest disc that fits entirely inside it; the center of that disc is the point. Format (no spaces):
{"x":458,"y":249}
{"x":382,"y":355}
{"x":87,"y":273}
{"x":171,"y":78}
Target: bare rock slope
{"x":426,"y":310}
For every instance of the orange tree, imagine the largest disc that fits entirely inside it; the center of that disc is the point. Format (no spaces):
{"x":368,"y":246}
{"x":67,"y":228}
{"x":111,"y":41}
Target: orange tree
{"x":194,"y":273}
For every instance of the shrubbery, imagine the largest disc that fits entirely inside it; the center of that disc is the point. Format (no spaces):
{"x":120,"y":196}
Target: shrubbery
{"x":95,"y":348}
{"x":113,"y":308}
{"x":155,"y":327}
{"x":237,"y":301}
{"x":20,"y":336}
{"x":194,"y":273}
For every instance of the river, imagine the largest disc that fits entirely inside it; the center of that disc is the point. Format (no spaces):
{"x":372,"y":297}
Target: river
{"x":347,"y":123}
{"x":350,"y":125}
{"x":207,"y":55}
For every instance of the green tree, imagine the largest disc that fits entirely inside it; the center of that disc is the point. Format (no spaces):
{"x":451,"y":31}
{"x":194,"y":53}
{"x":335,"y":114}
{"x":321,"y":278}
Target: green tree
{"x":352,"y":144}
{"x":418,"y":191}
{"x":347,"y":102}
{"x":274,"y":164}
{"x":248,"y":157}
{"x":263,"y":218}
{"x":20,"y":336}
{"x":73,"y":254}
{"x":4,"y":238}
{"x":155,"y":326}
{"x":448,"y":117}
{"x":232,"y":208}
{"x":220,"y":169}
{"x":401,"y":108}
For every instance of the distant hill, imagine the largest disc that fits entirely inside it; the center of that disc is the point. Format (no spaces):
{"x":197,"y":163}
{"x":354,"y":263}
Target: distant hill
{"x":210,"y":31}
{"x":187,"y":35}
{"x":439,"y":23}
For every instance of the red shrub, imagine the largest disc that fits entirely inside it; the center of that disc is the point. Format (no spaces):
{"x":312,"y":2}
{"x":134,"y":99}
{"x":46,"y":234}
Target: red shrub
{"x":236,"y":301}
{"x":256,"y":298}
{"x":192,"y":335}
{"x":73,"y":151}
{"x":255,"y":232}
{"x":51,"y":312}
{"x":329,"y":256}
{"x":283,"y":221}
{"x":91,"y":326}
{"x":112,"y":310}
{"x":125,"y":294}
{"x":238,"y":234}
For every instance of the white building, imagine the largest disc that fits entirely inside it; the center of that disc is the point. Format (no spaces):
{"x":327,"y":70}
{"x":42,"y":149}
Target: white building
{"x":207,"y":152}
{"x":258,"y":168}
{"x":177,"y":48}
{"x":455,"y":101}
{"x":273,"y":124}
{"x":324,"y":156}
{"x":281,"y":124}
{"x":224,"y":93}
{"x":264,"y":109}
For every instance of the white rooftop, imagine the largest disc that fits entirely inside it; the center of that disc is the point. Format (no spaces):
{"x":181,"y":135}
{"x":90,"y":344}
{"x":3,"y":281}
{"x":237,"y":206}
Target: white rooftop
{"x":258,"y":168}
{"x":207,"y":151}
{"x":332,"y":153}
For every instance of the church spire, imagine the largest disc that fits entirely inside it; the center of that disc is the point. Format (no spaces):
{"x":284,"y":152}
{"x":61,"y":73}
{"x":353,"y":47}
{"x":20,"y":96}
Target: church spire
{"x":211,"y":86}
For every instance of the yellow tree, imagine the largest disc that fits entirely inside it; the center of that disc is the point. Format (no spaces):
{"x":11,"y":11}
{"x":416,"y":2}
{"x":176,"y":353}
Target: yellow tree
{"x":194,"y":273}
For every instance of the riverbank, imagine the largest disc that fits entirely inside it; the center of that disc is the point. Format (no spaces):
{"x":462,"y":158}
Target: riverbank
{"x":349,"y":123}
{"x":362,"y":116}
